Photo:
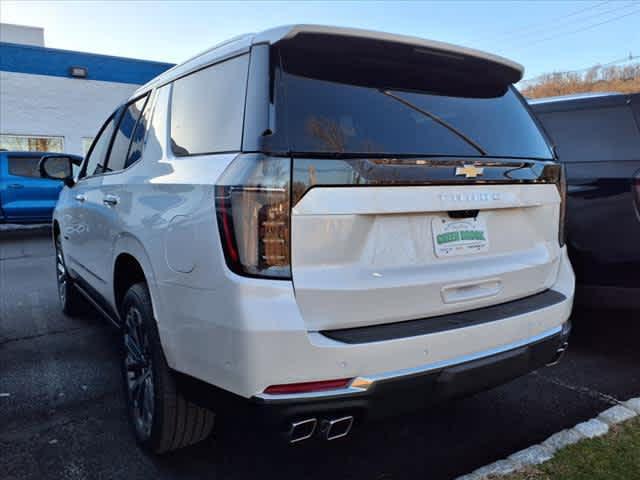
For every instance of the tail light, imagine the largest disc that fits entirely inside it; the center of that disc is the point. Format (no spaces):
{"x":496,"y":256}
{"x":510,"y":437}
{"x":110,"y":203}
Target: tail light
{"x":555,"y":173}
{"x":253,"y":210}
{"x":562,"y":190}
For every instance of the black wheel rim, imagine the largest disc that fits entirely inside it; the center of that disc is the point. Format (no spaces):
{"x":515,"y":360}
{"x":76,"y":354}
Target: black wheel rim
{"x":138,"y":371}
{"x":61,"y":274}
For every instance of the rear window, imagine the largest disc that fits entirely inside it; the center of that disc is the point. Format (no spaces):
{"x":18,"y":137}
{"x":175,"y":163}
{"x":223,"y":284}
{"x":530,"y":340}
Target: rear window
{"x":332,"y":117}
{"x":599,"y":134}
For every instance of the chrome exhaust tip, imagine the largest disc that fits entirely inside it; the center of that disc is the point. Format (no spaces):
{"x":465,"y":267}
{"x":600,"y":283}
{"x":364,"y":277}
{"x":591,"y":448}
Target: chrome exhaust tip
{"x":559,"y":354}
{"x":302,"y":430}
{"x":337,"y":428}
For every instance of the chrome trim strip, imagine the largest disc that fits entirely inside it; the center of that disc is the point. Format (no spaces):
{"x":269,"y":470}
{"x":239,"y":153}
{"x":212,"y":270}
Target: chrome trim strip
{"x":407,"y":372}
{"x":97,"y":306}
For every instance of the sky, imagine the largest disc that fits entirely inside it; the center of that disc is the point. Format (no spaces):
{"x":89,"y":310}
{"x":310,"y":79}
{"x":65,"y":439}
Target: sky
{"x":544,"y":36}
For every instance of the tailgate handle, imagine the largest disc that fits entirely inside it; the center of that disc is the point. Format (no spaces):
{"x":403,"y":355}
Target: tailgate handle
{"x":463,"y":292}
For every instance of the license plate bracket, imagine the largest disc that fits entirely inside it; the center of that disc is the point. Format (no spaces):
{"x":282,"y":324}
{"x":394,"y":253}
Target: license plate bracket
{"x":459,"y":236}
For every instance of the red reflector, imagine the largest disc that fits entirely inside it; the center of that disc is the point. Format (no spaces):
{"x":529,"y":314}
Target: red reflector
{"x":307,"y":386}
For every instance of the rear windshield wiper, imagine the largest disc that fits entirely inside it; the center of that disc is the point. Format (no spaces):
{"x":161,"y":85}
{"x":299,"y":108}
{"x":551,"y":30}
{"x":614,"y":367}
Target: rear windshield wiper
{"x":436,"y":119}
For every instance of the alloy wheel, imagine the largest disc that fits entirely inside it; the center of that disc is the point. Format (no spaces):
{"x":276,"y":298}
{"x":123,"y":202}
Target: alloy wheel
{"x":61,"y":273}
{"x":138,"y":371}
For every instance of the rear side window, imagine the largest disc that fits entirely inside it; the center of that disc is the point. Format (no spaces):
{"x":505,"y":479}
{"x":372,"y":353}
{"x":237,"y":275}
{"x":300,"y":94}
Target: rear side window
{"x":137,"y":141}
{"x":594,"y":135}
{"x":24,"y":166}
{"x":125,"y":134}
{"x":207,"y":109}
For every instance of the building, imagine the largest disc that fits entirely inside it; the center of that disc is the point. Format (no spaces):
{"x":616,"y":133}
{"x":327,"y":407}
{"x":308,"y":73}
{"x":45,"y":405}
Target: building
{"x":56,"y":100}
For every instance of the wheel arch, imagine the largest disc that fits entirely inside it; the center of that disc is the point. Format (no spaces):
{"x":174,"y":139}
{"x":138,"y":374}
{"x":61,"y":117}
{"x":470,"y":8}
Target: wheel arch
{"x":131,"y":264}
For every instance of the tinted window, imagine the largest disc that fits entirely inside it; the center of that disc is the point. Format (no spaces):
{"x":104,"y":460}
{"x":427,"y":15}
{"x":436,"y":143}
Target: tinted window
{"x":592,"y":135}
{"x":328,"y":116}
{"x":137,"y":141}
{"x":125,"y":133}
{"x":24,"y":166}
{"x":94,"y":163}
{"x":155,"y":139}
{"x":207,"y":109}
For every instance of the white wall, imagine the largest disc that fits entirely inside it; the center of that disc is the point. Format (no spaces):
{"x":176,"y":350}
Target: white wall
{"x":21,"y":34}
{"x":57,"y":106}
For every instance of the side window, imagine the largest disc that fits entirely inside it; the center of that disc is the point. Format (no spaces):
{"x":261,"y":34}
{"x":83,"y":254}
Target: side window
{"x":124,"y":134}
{"x":94,"y":163}
{"x":593,"y":135}
{"x":207,"y":108}
{"x":137,"y":142}
{"x":24,"y":166}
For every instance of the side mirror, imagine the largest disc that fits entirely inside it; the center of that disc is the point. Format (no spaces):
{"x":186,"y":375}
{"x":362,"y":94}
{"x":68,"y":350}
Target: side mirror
{"x":59,"y":167}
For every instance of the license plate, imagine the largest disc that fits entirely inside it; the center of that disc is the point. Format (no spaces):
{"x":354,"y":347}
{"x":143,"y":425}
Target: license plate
{"x":464,"y":236}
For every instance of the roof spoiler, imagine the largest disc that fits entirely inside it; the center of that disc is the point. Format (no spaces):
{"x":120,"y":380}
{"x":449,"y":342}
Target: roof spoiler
{"x":487,"y":67}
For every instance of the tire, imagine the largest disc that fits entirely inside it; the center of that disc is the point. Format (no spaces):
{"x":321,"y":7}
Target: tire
{"x":71,"y":300}
{"x":161,"y":417}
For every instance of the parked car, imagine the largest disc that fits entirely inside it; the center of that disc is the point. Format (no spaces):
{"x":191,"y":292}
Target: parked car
{"x":598,"y":140}
{"x":315,"y":226}
{"x":26,"y":197}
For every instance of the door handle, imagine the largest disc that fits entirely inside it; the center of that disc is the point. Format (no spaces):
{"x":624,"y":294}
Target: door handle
{"x":110,"y":200}
{"x":16,"y":185}
{"x":80,"y":197}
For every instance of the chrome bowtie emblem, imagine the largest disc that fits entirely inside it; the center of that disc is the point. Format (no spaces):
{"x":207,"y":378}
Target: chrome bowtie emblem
{"x":469,"y":171}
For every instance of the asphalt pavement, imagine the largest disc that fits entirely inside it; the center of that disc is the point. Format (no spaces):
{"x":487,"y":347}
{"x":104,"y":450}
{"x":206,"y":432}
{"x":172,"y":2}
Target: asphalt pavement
{"x":62,"y":412}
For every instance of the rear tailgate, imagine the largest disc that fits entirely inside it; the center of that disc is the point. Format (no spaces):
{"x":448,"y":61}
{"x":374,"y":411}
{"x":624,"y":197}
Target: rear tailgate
{"x":367,"y":255}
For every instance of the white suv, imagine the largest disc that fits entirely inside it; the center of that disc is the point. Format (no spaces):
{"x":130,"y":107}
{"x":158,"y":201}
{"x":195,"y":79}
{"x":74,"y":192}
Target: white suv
{"x":320,"y":226}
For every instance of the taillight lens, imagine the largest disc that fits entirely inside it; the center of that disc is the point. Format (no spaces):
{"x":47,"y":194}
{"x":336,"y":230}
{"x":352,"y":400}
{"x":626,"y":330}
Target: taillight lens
{"x":253,"y":210}
{"x":562,"y":190}
{"x":555,"y":173}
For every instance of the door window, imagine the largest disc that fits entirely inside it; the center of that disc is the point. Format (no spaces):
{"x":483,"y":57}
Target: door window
{"x":86,"y":144}
{"x":24,"y":166}
{"x":126,"y":132}
{"x":95,"y":160}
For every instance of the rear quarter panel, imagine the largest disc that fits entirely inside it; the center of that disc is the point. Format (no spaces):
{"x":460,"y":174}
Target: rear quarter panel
{"x":166,"y":220}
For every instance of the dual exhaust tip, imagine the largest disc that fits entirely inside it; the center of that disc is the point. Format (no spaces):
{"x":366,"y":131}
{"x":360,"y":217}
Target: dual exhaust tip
{"x":562,"y":349}
{"x":329,"y":429}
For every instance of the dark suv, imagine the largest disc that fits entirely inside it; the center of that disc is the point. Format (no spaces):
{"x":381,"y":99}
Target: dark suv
{"x":598,"y":139}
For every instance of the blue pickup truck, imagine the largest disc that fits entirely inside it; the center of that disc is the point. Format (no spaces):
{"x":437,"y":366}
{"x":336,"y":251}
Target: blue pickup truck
{"x":25,"y":197}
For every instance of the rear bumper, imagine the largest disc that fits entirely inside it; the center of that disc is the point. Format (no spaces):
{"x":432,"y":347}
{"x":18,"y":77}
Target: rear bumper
{"x":257,"y":337}
{"x":392,"y":393}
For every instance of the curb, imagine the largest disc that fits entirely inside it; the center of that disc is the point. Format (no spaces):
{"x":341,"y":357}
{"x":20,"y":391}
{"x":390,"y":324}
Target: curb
{"x":542,"y":452}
